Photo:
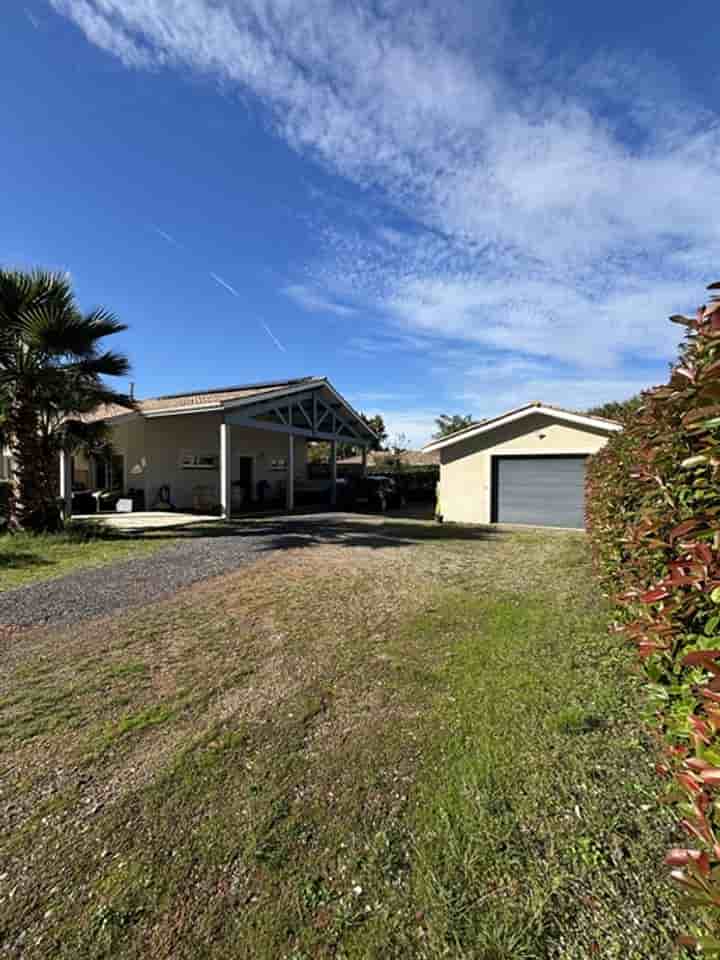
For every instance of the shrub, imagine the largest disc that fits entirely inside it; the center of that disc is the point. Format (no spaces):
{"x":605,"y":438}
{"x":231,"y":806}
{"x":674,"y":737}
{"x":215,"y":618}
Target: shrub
{"x":654,"y":522}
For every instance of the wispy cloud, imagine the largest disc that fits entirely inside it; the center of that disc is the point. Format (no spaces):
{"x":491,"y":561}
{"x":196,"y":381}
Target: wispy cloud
{"x":231,"y":289}
{"x":167,"y":236}
{"x":560,"y":217}
{"x":410,"y":427}
{"x":272,"y":336}
{"x":35,"y":21}
{"x":223,"y":283}
{"x":316,"y":302}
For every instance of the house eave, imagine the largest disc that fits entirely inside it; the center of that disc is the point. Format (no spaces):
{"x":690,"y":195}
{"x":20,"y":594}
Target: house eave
{"x":596,"y":423}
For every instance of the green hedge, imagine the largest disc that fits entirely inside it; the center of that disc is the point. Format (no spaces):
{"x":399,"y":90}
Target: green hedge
{"x":654,"y":522}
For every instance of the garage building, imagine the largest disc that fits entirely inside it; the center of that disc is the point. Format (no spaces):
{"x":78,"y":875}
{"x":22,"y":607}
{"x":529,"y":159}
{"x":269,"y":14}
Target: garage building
{"x":526,"y":466}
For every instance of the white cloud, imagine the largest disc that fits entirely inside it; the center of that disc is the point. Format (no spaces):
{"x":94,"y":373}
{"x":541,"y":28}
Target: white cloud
{"x":571,"y":392}
{"x":223,"y":283}
{"x":542,"y":224}
{"x":314,"y":301}
{"x":268,"y":331}
{"x":409,"y":428}
{"x":544,"y":319}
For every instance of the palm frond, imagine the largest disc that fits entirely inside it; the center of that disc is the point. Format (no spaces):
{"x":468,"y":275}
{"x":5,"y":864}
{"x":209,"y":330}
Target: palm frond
{"x":78,"y":435}
{"x":104,"y":323}
{"x":106,"y":364}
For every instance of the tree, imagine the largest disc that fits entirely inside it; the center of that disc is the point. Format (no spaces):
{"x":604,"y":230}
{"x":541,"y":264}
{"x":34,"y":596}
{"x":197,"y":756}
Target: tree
{"x":620,"y":410}
{"x":51,"y":369}
{"x":377,"y":424}
{"x":451,"y":423}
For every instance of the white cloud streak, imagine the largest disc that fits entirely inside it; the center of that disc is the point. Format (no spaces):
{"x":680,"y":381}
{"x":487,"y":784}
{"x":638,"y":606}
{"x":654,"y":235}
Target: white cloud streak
{"x":272,"y":336}
{"x":231,"y":289}
{"x":543,"y":224}
{"x":168,"y":237}
{"x":315,"y":302}
{"x":223,"y":283}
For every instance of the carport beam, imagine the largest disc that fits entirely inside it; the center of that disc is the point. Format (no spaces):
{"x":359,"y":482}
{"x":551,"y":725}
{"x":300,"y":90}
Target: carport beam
{"x":225,"y":467}
{"x":333,"y":473}
{"x":290,"y":491}
{"x":66,"y":483}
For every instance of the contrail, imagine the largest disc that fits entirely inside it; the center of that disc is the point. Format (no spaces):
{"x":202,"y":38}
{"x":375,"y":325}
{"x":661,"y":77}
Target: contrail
{"x":219,"y":280}
{"x":166,"y":236}
{"x":273,"y":337}
{"x":224,"y":283}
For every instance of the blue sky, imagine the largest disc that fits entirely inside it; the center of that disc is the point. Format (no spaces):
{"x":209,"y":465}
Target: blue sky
{"x":451,"y":207}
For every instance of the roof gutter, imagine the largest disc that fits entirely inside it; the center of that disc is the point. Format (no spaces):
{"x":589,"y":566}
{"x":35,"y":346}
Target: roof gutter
{"x":599,"y":424}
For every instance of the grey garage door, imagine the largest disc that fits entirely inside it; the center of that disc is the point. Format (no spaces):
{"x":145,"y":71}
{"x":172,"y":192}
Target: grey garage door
{"x":547,"y":491}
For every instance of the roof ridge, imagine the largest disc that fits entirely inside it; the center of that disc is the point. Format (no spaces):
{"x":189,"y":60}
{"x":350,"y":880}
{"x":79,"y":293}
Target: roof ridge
{"x":261,"y":385}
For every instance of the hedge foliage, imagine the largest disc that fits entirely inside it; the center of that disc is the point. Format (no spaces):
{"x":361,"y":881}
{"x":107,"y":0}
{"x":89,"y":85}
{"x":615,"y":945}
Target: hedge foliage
{"x":653,"y":503}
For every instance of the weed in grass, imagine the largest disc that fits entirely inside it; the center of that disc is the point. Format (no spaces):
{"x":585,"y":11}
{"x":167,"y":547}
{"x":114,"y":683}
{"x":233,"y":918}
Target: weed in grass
{"x":136,"y":723}
{"x":576,"y":719}
{"x":131,"y":668}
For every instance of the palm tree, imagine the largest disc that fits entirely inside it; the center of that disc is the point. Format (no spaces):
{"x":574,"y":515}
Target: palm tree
{"x":51,"y":370}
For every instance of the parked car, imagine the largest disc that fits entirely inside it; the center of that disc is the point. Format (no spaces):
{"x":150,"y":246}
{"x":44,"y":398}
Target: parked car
{"x":377,"y":493}
{"x":316,"y":492}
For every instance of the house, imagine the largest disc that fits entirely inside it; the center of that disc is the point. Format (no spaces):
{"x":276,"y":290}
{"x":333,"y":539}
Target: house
{"x":217,"y":449}
{"x":526,"y":466}
{"x":379,"y":459}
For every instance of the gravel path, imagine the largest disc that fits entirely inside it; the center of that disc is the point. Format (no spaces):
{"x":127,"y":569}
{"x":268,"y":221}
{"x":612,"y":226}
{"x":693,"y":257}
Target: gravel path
{"x":130,"y":583}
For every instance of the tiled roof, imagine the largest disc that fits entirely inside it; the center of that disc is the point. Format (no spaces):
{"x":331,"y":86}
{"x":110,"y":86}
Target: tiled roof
{"x":183,"y":401}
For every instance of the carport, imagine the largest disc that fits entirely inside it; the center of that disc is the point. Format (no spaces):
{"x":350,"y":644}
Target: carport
{"x":315,"y":412}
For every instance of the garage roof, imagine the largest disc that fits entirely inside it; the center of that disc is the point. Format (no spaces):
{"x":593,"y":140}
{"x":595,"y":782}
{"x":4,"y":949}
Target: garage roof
{"x":529,"y":409}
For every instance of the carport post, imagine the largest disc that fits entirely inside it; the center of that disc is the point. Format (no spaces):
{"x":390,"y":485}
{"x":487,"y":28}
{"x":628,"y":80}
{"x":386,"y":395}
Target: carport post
{"x":290,"y":486}
{"x":333,"y":473}
{"x":364,"y":461}
{"x":225,"y":467}
{"x":66,"y":483}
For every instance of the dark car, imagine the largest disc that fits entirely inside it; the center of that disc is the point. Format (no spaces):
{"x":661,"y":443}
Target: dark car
{"x":377,"y":493}
{"x":316,"y":492}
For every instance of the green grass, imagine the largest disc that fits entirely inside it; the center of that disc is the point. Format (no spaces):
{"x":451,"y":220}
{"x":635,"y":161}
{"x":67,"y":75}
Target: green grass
{"x":315,"y":758}
{"x":536,"y":835}
{"x":28,"y":558}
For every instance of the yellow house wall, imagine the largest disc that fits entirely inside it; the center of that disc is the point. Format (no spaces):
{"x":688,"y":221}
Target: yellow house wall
{"x":127,"y":438}
{"x":167,"y":437}
{"x":465,"y":467}
{"x":153,"y":449}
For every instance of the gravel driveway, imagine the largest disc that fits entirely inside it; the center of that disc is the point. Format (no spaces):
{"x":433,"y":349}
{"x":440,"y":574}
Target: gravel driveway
{"x":102,"y":590}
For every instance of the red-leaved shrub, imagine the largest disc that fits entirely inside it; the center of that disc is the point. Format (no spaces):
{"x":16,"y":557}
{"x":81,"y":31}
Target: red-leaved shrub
{"x":653,"y":503}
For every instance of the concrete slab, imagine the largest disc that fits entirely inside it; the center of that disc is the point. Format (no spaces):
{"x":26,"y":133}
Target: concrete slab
{"x":143,"y":520}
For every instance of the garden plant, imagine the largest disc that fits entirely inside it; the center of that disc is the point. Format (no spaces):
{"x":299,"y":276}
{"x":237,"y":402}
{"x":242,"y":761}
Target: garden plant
{"x":653,"y":503}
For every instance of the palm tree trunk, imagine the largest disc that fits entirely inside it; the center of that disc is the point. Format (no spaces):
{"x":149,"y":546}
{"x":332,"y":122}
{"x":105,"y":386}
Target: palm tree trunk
{"x":32,"y":505}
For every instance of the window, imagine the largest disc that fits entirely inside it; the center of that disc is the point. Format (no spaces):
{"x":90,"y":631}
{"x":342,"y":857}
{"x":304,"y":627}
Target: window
{"x":190,"y":460}
{"x":110,"y":474}
{"x":278,"y":463}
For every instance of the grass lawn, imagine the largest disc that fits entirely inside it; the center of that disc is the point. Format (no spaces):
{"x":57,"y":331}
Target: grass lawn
{"x":27,"y":558}
{"x":421,"y":750}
